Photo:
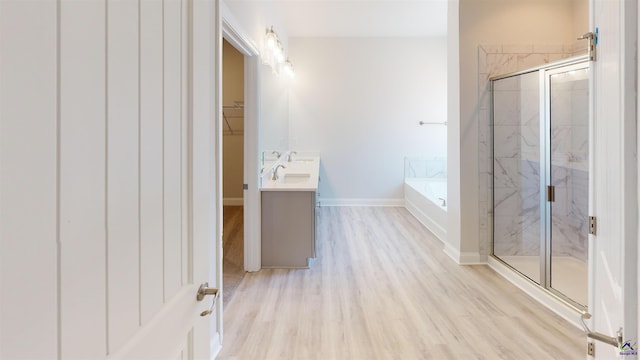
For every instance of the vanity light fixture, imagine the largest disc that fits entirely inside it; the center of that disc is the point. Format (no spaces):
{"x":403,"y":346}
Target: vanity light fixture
{"x":273,"y":54}
{"x":278,"y":53}
{"x":270,"y":39}
{"x":288,"y":68}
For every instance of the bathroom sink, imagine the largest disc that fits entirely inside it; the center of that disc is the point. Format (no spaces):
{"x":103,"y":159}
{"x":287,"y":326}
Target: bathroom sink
{"x":295,"y":178}
{"x":299,"y":174}
{"x":302,"y":160}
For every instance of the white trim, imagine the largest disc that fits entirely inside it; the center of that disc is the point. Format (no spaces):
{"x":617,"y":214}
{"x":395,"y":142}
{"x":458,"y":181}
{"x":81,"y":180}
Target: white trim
{"x":362,"y":202}
{"x":252,"y":205}
{"x":464,"y":258}
{"x":215,"y":58}
{"x":638,"y":177}
{"x":472,"y":258}
{"x":541,"y":295}
{"x":452,"y":252}
{"x":233,"y":201}
{"x":235,"y":35}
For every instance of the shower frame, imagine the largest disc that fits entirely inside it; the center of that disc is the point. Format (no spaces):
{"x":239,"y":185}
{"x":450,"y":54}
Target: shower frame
{"x":544,"y":71}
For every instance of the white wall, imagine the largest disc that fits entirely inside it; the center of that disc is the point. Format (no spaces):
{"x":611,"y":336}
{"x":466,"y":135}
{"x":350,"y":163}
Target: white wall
{"x":494,"y":22}
{"x":580,"y":10}
{"x":454,"y":201}
{"x":358,"y":102}
{"x":274,"y":110}
{"x":256,"y":17}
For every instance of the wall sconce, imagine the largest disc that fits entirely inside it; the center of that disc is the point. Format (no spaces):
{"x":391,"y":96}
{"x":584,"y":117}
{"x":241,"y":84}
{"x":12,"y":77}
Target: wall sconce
{"x":273,"y":54}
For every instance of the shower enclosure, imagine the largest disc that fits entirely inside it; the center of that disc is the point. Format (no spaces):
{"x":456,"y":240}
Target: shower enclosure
{"x":540,"y":125}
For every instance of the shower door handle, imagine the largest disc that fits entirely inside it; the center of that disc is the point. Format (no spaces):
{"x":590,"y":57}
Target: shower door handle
{"x":551,"y":193}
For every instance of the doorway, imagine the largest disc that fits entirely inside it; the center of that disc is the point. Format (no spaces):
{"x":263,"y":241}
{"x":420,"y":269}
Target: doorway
{"x":232,"y":168}
{"x":540,"y":128}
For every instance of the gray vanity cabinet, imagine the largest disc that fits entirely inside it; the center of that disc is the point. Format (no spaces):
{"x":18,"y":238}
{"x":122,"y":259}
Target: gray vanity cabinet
{"x":288,"y":228}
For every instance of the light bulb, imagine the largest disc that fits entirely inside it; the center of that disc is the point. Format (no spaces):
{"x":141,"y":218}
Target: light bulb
{"x":271,"y":39}
{"x":288,"y":68}
{"x":279,"y":53}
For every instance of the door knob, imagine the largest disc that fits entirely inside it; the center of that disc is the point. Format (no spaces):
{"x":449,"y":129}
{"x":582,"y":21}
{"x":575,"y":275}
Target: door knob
{"x":203,"y":291}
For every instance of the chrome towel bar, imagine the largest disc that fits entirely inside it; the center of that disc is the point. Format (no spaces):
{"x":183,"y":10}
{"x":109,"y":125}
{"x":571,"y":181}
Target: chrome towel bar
{"x":432,"y":123}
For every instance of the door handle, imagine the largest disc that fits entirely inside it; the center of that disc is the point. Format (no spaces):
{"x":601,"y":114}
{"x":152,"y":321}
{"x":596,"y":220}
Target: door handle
{"x":203,"y":291}
{"x":551,"y":193}
{"x":611,"y":340}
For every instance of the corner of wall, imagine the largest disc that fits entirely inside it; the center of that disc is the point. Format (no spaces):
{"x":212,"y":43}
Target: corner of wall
{"x":452,"y":243}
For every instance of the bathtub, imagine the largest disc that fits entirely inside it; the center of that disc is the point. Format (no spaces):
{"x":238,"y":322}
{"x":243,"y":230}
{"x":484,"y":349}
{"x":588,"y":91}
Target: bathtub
{"x":425,"y":198}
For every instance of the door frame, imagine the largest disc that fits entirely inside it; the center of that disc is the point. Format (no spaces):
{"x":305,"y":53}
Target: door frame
{"x":236,"y":36}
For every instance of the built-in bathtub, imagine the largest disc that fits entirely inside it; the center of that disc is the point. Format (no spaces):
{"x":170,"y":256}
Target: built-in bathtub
{"x":426,"y":199}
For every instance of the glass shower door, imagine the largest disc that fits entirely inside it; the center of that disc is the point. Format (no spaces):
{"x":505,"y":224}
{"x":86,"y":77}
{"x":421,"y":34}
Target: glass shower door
{"x":540,"y":173}
{"x":568,"y":174}
{"x":517,"y":152}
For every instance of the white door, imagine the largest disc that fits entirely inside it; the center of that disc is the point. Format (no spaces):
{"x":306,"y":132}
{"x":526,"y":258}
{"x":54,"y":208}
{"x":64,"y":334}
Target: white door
{"x":108,"y":179}
{"x":613,"y":275}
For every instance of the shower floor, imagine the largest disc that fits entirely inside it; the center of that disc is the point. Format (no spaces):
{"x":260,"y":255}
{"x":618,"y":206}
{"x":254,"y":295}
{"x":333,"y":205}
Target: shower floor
{"x":568,"y":274}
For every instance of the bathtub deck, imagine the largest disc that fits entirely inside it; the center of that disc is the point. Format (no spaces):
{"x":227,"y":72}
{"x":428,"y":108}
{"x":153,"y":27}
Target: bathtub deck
{"x":382,"y":288}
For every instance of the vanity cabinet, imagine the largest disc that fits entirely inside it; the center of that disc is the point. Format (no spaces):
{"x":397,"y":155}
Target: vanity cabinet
{"x":288,"y":228}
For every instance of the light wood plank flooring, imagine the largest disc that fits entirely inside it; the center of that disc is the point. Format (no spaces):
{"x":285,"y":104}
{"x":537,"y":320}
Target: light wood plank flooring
{"x":232,"y":250}
{"x":382,"y":288}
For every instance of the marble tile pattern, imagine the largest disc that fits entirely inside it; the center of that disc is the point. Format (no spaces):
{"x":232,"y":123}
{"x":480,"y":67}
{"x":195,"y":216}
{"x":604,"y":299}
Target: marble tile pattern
{"x":422,"y":167}
{"x":569,"y":159}
{"x":517,"y":151}
{"x":516,"y":166}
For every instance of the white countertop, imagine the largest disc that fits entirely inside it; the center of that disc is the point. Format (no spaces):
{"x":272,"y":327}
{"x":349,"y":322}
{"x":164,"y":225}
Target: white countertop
{"x":299,"y":174}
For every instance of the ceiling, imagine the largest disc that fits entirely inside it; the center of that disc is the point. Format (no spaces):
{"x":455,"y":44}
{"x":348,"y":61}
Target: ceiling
{"x":354,"y":18}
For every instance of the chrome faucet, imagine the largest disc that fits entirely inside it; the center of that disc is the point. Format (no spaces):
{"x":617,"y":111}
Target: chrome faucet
{"x":289,"y":156}
{"x":274,"y":174}
{"x":276,"y":153}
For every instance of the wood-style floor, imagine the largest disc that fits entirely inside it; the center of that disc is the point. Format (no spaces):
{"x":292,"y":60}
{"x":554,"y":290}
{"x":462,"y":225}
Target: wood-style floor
{"x":232,"y":250}
{"x":382,"y":288}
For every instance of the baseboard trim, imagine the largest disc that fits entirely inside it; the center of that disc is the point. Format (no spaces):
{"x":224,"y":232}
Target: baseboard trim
{"x":464,"y":258}
{"x":452,"y":252}
{"x":362,"y":202}
{"x":472,"y":258}
{"x":232,"y":201}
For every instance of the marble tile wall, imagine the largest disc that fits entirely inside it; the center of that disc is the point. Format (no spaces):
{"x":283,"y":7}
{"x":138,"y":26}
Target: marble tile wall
{"x":416,"y":167}
{"x":517,"y":153}
{"x":569,"y":158}
{"x":516,"y":165}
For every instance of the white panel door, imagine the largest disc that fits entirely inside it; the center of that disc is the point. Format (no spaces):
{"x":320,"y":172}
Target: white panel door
{"x":123,"y":176}
{"x":28,"y":205}
{"x":613,"y":251}
{"x":82,"y":179}
{"x":108,"y":184}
